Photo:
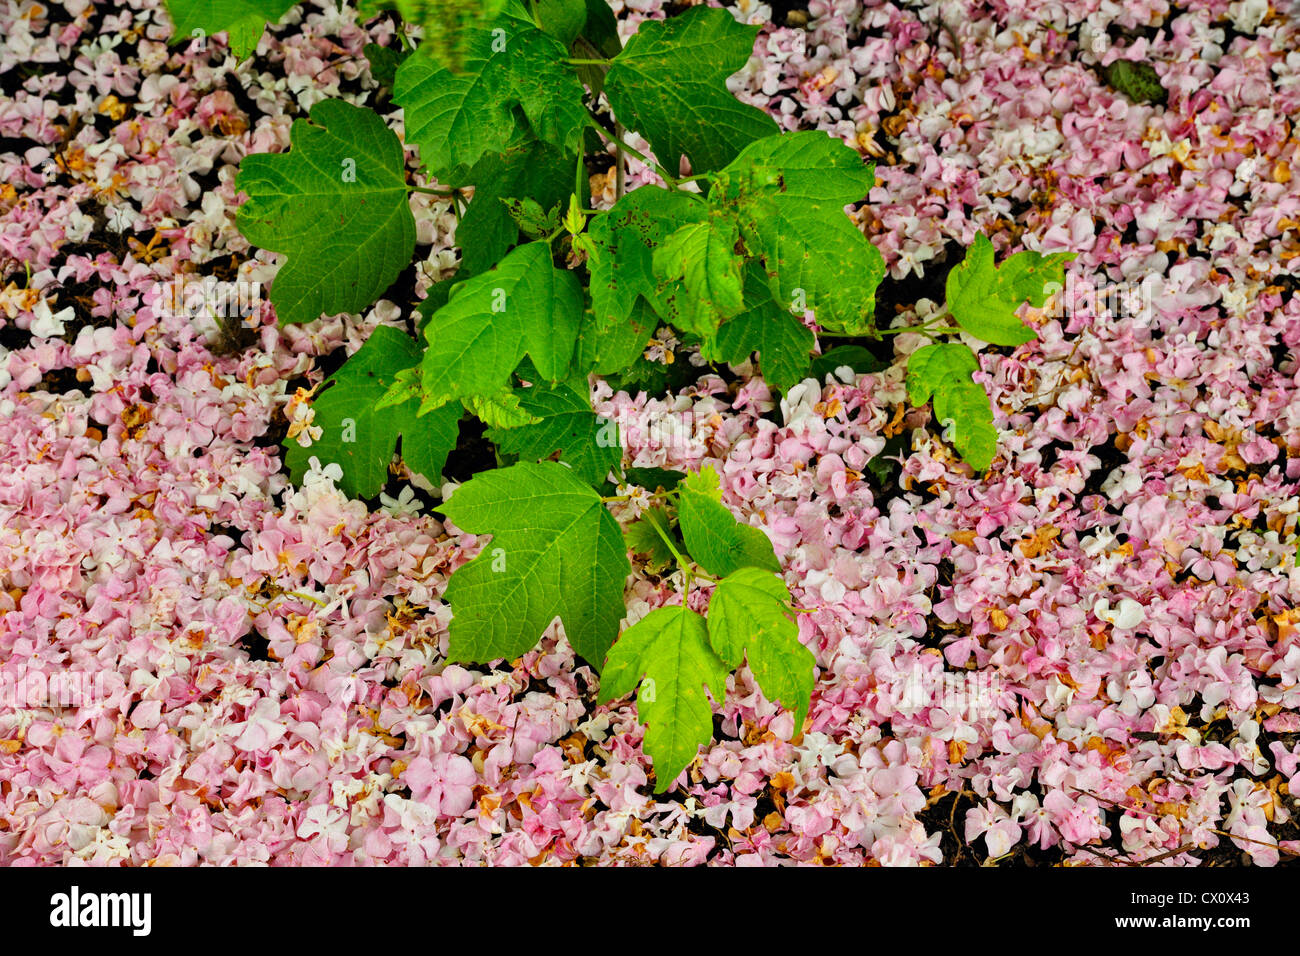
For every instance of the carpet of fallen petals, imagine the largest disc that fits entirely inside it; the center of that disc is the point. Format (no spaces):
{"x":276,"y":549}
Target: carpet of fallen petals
{"x":1102,"y":628}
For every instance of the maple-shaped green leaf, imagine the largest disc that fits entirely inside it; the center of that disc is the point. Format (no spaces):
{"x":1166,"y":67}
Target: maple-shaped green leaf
{"x":336,"y":204}
{"x":566,"y":426}
{"x":502,"y":410}
{"x":621,"y":245}
{"x":530,"y":171}
{"x":243,"y":20}
{"x":788,"y":194}
{"x":458,"y":118}
{"x":983,"y":298}
{"x":600,"y":28}
{"x":655,"y":479}
{"x":670,"y":84}
{"x":618,"y":344}
{"x":522,"y":306}
{"x":748,"y":618}
{"x":556,"y":551}
{"x":653,"y":377}
{"x":531,"y":218}
{"x":1136,"y":79}
{"x":853,"y":356}
{"x":359,"y":435}
{"x":384,"y":61}
{"x":944,"y":372}
{"x":446,"y":23}
{"x":783,"y":343}
{"x":562,"y":19}
{"x":645,"y":537}
{"x":667,"y":652}
{"x":599,"y":40}
{"x":716,"y":540}
{"x":700,"y":276}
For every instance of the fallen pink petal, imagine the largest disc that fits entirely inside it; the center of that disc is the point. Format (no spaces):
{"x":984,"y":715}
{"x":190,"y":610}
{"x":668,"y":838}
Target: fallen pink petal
{"x":1085,"y":654}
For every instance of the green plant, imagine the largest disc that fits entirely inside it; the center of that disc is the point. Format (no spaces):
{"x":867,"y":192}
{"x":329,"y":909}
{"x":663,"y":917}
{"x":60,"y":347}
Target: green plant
{"x":515,"y":102}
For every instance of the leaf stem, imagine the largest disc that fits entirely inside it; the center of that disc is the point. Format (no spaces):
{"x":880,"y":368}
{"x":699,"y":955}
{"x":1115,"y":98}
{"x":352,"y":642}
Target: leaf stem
{"x":687,"y":566}
{"x":577,"y":176}
{"x":620,"y":166}
{"x":667,"y":539}
{"x":651,"y":494}
{"x":672,"y":181}
{"x":683,"y":563}
{"x":574,"y":61}
{"x":929,"y":330}
{"x":432,"y":192}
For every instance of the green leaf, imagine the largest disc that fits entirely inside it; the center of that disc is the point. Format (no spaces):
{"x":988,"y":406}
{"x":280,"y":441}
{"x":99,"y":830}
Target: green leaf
{"x":562,"y":19}
{"x":530,"y":218}
{"x":1136,"y":79}
{"x":653,"y":378}
{"x":669,"y":648}
{"x":700,"y":276}
{"x":336,"y":205}
{"x":854,"y":356}
{"x":944,"y":372}
{"x":983,"y":298}
{"x":523,"y":306}
{"x":502,"y":410}
{"x":360,"y":437}
{"x":642,"y":538}
{"x":438,"y":296}
{"x":788,"y":194}
{"x":530,"y":171}
{"x":599,"y":40}
{"x":885,"y":467}
{"x":655,"y":479}
{"x":384,"y":61}
{"x":555,"y":552}
{"x":617,"y":346}
{"x":783,"y":343}
{"x":622,"y":243}
{"x":716,"y":540}
{"x":748,"y":619}
{"x":601,"y":29}
{"x":670,"y":84}
{"x":447,"y":24}
{"x":244,"y":20}
{"x":566,"y":425}
{"x":457,"y":119}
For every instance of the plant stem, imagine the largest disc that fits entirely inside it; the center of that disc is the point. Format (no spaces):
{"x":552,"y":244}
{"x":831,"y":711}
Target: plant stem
{"x":621,"y":165}
{"x":431,"y":192}
{"x":921,"y":329}
{"x":667,"y":539}
{"x":672,"y":181}
{"x":929,"y":328}
{"x":580,"y":62}
{"x":685,"y":564}
{"x":652,"y":494}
